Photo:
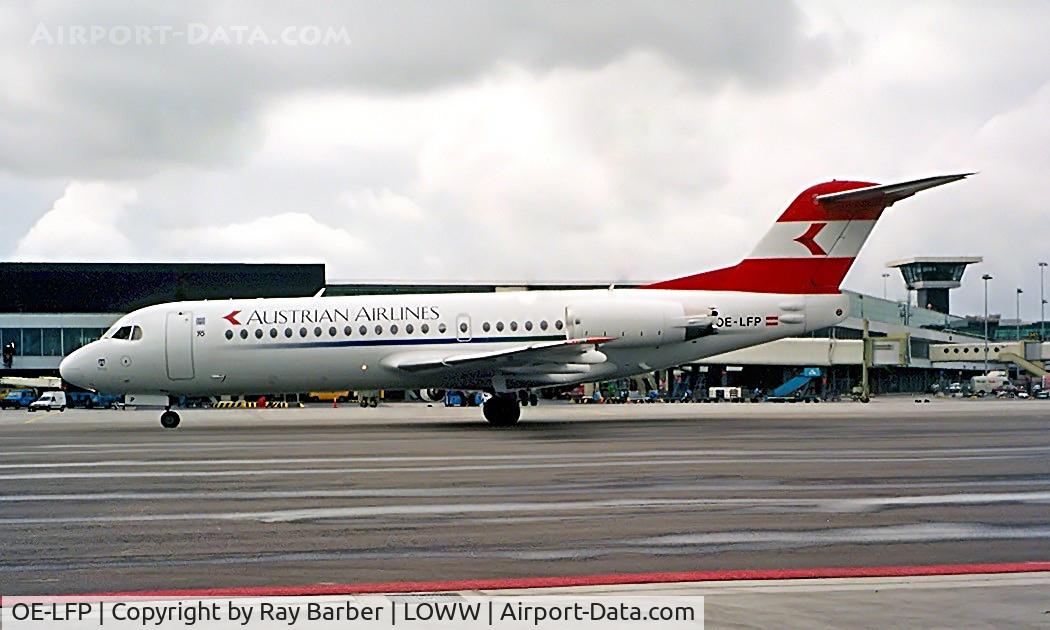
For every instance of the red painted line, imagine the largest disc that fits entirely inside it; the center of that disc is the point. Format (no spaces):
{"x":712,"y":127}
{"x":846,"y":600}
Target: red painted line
{"x":581,"y":580}
{"x":768,"y":275}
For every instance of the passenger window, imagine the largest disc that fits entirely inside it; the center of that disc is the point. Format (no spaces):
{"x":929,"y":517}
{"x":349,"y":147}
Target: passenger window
{"x":258,"y":333}
{"x":425,"y":328}
{"x":288,"y":332}
{"x":393,"y":329}
{"x":348,"y":331}
{"x":379,"y":329}
{"x":514,"y":325}
{"x":302,"y":331}
{"x":244,"y":334}
{"x":543,"y":324}
{"x":486,"y":327}
{"x":409,"y":328}
{"x":229,"y":334}
{"x":499,"y":326}
{"x":273,"y":333}
{"x":332,"y":332}
{"x":442,"y":328}
{"x":463,"y":327}
{"x":558,"y":324}
{"x":363,"y":330}
{"x":528,"y":325}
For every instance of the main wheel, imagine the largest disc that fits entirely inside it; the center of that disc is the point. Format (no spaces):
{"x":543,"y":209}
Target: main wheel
{"x":169,"y":419}
{"x":502,"y":410}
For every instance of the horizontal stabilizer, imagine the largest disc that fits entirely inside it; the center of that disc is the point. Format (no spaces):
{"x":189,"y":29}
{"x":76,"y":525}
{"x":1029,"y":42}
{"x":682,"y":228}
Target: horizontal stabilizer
{"x":888,"y":194}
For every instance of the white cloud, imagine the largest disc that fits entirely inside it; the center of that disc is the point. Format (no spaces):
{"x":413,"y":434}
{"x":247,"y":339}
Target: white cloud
{"x":559,"y":161}
{"x":83,"y":224}
{"x":287,"y":237}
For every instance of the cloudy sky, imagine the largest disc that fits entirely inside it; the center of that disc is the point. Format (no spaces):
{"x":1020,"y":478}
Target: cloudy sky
{"x":528,"y":141}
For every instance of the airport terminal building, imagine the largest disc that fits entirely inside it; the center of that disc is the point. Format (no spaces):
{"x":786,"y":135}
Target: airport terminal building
{"x":47,"y":310}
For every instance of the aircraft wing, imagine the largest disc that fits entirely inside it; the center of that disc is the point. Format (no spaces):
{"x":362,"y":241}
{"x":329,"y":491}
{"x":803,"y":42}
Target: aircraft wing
{"x":562,"y":351}
{"x":889,"y":193}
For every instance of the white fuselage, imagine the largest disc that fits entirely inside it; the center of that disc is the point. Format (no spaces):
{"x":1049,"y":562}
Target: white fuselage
{"x":285,"y":345}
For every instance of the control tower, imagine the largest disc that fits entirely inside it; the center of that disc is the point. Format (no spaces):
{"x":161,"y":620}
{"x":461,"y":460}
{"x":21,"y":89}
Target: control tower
{"x":931,"y":277}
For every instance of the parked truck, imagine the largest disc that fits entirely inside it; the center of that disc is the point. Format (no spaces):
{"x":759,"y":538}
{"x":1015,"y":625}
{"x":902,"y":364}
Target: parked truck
{"x":17,"y":399}
{"x":988,"y":383}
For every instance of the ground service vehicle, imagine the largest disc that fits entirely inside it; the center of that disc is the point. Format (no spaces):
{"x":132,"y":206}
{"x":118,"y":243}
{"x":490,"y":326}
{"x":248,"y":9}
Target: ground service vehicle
{"x":17,"y":399}
{"x":49,"y":401}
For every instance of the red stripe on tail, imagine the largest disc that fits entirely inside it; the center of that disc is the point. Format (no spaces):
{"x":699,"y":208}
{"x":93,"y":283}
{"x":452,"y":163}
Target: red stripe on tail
{"x":819,"y":269}
{"x":806,"y":208}
{"x":768,"y":275}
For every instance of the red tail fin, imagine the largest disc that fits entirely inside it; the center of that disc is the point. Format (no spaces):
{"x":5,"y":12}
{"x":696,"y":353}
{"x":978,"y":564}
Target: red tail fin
{"x":813,"y":243}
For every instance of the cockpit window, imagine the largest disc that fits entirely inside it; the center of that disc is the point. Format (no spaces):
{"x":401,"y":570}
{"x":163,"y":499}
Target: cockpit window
{"x":132,"y":333}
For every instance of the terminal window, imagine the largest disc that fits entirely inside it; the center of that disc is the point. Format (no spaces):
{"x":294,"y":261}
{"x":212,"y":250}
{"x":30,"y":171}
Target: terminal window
{"x":48,"y":342}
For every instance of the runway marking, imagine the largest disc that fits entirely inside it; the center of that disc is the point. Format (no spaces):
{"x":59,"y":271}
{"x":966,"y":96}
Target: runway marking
{"x":920,"y":532}
{"x":609,"y":579}
{"x":823,"y":454}
{"x":307,"y":514}
{"x":820,"y":505}
{"x":501,"y":490}
{"x":427,"y":469}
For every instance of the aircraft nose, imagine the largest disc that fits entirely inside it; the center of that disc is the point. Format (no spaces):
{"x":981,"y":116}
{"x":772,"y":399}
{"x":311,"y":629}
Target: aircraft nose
{"x":72,"y":368}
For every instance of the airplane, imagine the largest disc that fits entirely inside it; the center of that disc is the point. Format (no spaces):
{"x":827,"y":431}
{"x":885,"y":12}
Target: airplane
{"x":509,"y":343}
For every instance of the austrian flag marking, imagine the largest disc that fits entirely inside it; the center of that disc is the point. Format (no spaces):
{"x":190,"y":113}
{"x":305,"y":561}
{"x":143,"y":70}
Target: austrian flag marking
{"x":806,"y":240}
{"x":772,"y":320}
{"x":232,"y":317}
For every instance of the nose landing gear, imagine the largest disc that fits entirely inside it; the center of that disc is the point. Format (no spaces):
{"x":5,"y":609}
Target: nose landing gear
{"x":169,"y":419}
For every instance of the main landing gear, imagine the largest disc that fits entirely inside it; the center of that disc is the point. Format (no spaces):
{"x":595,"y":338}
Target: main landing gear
{"x":502,"y":410}
{"x":169,"y":419}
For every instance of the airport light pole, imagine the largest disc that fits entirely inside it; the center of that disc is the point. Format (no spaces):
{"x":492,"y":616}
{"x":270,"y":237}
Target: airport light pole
{"x":1019,"y":292}
{"x":884,"y":277}
{"x":1042,"y":303}
{"x":986,"y":277}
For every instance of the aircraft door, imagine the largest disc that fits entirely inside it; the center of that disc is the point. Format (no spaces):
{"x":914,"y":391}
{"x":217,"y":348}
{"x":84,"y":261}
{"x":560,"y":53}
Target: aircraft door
{"x":178,"y":345}
{"x":463,"y":331}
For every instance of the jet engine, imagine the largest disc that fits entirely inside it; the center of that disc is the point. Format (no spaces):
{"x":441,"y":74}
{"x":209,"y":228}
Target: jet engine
{"x":634,"y":323}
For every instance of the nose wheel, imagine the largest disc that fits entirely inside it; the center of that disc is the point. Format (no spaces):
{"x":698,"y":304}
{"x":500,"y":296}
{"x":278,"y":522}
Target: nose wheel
{"x":169,"y":419}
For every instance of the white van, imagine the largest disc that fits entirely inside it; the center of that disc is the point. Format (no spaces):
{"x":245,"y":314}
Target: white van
{"x":49,"y":401}
{"x":731,"y":394}
{"x":988,"y":383}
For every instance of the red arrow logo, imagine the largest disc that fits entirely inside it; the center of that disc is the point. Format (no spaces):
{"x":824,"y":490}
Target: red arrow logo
{"x":807,"y":239}
{"x":232,"y":318}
